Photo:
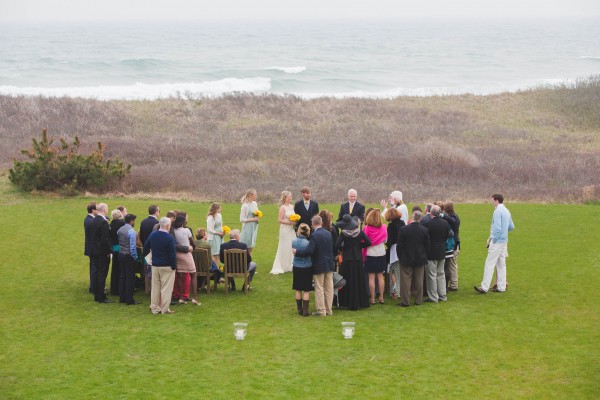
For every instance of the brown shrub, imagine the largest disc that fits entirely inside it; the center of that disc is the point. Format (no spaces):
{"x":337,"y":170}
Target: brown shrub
{"x":434,"y":148}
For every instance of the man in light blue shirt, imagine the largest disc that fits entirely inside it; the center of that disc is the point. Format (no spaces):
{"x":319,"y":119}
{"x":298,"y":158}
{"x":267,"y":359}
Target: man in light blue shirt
{"x":497,"y":244}
{"x":127,"y":259}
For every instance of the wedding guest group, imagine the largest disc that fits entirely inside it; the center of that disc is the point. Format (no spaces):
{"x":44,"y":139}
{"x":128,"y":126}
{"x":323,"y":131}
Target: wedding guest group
{"x":419,"y":256}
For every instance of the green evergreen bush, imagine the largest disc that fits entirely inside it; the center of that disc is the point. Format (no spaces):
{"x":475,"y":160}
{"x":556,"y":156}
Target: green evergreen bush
{"x":62,"y":168}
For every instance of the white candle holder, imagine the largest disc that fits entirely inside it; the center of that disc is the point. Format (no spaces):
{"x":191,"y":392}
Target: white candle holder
{"x":240,"y":330}
{"x":348,"y":329}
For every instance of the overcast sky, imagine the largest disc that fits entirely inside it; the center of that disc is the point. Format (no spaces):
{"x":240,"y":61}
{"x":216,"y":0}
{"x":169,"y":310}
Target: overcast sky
{"x":106,"y":10}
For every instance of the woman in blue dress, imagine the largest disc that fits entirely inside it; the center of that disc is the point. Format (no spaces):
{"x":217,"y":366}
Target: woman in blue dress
{"x":214,"y":229}
{"x":249,"y":220}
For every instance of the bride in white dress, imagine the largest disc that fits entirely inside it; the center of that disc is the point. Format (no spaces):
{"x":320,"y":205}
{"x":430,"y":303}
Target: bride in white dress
{"x":284,"y":257}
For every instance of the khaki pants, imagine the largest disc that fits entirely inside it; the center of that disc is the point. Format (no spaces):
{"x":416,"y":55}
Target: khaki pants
{"x":408,"y":275}
{"x":162,"y":289}
{"x":451,"y":269}
{"x":324,"y":293}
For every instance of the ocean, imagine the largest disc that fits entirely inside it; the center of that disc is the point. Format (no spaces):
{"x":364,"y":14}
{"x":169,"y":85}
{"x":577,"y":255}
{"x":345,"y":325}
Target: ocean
{"x":368,"y":59}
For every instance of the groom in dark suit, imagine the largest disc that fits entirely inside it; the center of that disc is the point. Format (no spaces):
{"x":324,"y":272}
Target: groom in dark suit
{"x":352,"y":207}
{"x":306,"y":208}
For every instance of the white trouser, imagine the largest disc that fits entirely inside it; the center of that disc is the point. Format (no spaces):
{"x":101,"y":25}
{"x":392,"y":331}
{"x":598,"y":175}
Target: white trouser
{"x":496,"y":258}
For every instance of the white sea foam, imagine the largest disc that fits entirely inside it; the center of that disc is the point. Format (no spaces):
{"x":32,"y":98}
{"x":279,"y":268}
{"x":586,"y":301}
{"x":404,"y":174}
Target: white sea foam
{"x":143,"y":91}
{"x":590,"y":57}
{"x":288,"y":70}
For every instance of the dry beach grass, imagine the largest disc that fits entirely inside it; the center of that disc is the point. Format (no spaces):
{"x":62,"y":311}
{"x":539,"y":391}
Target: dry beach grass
{"x":536,"y":145}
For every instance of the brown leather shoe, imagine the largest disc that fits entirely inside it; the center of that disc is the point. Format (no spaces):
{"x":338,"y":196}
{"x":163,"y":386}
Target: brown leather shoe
{"x":479,"y":290}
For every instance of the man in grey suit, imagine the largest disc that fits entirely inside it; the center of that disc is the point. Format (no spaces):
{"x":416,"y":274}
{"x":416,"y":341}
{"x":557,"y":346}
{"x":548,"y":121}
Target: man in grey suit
{"x":439,"y":230}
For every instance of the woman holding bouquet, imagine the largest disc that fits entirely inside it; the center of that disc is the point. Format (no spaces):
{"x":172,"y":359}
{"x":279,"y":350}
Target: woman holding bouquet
{"x":214,"y":227}
{"x":249,"y":217}
{"x":284,"y":257}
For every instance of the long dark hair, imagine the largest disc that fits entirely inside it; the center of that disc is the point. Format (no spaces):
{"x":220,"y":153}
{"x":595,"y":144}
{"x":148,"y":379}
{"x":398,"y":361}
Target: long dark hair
{"x":179,"y":221}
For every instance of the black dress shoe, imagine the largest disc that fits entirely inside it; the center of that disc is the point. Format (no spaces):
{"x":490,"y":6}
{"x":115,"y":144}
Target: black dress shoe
{"x":452,"y":289}
{"x":479,"y":290}
{"x":106,"y":301}
{"x":428,"y":300}
{"x":403,"y":305}
{"x":134,"y":303}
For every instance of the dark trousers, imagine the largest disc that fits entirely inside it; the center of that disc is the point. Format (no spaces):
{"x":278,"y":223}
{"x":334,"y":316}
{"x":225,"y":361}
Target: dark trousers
{"x":126,"y":278}
{"x":115,"y":273}
{"x":408,"y":275}
{"x":102,"y":264}
{"x":92,"y":275}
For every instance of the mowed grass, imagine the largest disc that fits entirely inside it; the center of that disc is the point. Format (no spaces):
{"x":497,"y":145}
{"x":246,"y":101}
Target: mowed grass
{"x":538,"y":340}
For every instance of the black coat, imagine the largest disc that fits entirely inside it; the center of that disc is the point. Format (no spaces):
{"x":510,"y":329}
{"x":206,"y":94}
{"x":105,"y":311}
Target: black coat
{"x":319,"y":248}
{"x":438,"y":233}
{"x":357,"y":211}
{"x":392,"y":236}
{"x":146,"y":228}
{"x":413,"y":245}
{"x":306,"y":215}
{"x":99,"y":231}
{"x":114,"y":226}
{"x":454,"y":222}
{"x":351,"y":247}
{"x":87,"y":223}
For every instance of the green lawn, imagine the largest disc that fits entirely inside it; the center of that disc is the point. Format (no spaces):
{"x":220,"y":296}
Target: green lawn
{"x":538,"y":340}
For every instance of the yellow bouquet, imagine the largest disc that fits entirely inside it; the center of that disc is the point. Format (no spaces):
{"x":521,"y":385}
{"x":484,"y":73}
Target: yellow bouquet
{"x":294,"y":217}
{"x":221,"y":268}
{"x":226,"y":229}
{"x":258,"y":214}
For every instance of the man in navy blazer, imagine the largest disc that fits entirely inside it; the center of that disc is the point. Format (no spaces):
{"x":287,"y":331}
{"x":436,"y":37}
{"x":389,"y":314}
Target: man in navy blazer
{"x":87,"y":251}
{"x":306,"y":208}
{"x":319,"y":249}
{"x":147,"y":225}
{"x":234,"y":243}
{"x":352,"y":207}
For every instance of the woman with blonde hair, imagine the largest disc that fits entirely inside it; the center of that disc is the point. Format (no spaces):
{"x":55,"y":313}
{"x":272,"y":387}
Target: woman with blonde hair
{"x":302,"y":272}
{"x":249,"y":220}
{"x":214,"y":228}
{"x":374,"y":255}
{"x":284,"y":257}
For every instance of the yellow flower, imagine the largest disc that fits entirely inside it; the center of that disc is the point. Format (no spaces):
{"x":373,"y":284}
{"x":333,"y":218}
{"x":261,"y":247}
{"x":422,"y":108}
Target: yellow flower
{"x":221,"y":268}
{"x":294,"y":218}
{"x":258,"y":213}
{"x":226,"y":229}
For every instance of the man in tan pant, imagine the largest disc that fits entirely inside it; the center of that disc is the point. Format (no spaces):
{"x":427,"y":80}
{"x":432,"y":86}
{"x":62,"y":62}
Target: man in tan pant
{"x":319,"y":249}
{"x":164,"y":264}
